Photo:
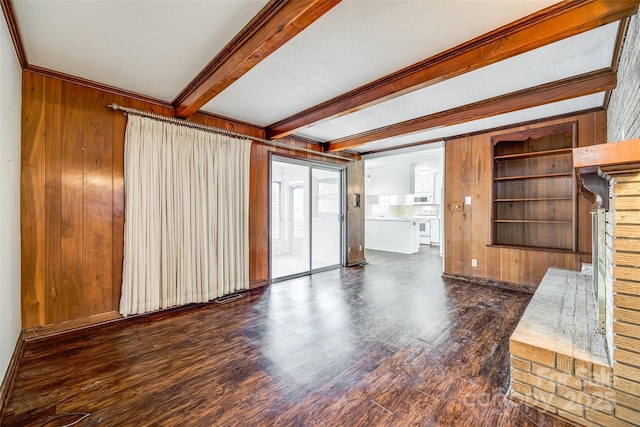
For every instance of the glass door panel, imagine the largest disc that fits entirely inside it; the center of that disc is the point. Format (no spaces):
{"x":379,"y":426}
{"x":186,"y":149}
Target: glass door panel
{"x":326,"y":224}
{"x":290,"y":225}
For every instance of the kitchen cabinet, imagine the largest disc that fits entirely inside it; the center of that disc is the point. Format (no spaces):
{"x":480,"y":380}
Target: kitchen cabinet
{"x":387,"y":180}
{"x":424,"y":181}
{"x":437,"y":189}
{"x":392,"y":235}
{"x":435,"y":231}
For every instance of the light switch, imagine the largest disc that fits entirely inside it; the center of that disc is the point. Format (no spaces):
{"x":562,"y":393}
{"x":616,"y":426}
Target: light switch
{"x":456,"y":206}
{"x":467,"y":200}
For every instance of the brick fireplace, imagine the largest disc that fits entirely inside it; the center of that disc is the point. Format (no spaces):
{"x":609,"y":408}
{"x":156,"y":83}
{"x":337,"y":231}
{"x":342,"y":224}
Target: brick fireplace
{"x":561,"y":361}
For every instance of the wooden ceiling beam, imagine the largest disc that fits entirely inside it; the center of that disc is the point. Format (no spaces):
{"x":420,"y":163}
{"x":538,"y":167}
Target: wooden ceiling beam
{"x":573,"y":87}
{"x":549,"y":25}
{"x":277,"y":23}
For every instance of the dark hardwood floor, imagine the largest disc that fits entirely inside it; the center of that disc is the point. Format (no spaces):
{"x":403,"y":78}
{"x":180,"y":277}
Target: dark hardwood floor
{"x":389,"y":343}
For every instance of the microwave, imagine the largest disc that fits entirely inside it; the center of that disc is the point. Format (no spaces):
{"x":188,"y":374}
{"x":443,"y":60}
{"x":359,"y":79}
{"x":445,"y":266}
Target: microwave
{"x":423,"y":199}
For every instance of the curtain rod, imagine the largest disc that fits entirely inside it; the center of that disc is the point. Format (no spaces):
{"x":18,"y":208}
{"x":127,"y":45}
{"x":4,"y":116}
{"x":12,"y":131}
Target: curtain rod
{"x":206,"y":128}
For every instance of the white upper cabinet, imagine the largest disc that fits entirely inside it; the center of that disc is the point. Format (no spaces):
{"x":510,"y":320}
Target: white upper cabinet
{"x":398,"y":179}
{"x":424,"y":181}
{"x":437,"y":189}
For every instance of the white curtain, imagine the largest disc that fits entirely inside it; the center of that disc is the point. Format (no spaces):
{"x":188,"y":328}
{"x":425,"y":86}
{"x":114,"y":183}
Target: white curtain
{"x":186,"y":232}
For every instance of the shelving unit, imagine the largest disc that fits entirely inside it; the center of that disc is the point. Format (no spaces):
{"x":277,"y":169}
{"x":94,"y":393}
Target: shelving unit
{"x":534,"y":197}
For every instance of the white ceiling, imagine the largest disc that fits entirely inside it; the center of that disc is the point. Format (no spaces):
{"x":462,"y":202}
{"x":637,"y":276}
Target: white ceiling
{"x":590,"y":51}
{"x":357,"y":42}
{"x":156,"y":48}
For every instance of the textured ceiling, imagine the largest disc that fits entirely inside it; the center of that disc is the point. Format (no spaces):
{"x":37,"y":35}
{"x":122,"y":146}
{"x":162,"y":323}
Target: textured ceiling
{"x":590,"y":51}
{"x":354,"y":43}
{"x":155,"y":48}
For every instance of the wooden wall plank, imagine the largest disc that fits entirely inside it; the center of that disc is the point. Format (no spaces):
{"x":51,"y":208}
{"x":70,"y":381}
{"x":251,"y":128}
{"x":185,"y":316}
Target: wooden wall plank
{"x":32,"y":193}
{"x":355,"y":215}
{"x":480,"y":186}
{"x":97,"y":203}
{"x":71,"y":292}
{"x":118,"y":127}
{"x":258,"y":221}
{"x":53,"y":200}
{"x":453,"y":219}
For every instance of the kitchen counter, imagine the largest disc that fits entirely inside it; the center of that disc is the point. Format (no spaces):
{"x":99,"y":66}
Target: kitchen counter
{"x":389,"y":218}
{"x":392,"y":234}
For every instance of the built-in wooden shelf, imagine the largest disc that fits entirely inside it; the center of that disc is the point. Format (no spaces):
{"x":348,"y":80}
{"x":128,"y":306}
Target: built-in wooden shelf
{"x":534,"y":248}
{"x":534,"y":202}
{"x":541,"y":175}
{"x":534,"y":154}
{"x":531,"y":221}
{"x":533,"y":199}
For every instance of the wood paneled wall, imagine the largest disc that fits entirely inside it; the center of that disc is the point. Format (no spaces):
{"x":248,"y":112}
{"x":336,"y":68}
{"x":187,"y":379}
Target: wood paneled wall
{"x":467,"y":233}
{"x":72,"y":199}
{"x":355,"y":214}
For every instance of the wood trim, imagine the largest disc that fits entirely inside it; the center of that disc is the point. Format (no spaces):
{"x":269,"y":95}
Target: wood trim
{"x":254,"y":284}
{"x":620,"y":39}
{"x":236,"y":124}
{"x":400,"y":147}
{"x":95,"y":322}
{"x":222,"y":121}
{"x":617,"y":53}
{"x":484,"y":131}
{"x":96,"y":85}
{"x":483,"y":281}
{"x":590,"y":158}
{"x":277,"y":23}
{"x":573,"y":87}
{"x":65,"y":326}
{"x":9,"y":376}
{"x":12,"y":24}
{"x":523,"y":135}
{"x":528,"y":123}
{"x":549,"y":25}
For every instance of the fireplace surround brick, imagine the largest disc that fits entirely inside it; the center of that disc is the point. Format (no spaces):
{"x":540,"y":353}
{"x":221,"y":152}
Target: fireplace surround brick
{"x":560,"y":363}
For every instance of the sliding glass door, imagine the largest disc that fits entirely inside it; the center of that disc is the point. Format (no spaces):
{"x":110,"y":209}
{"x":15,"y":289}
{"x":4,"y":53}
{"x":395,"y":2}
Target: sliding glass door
{"x":306,"y":218}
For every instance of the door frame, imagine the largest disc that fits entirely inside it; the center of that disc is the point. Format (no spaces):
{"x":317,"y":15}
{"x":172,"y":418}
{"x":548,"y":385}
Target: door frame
{"x":311,"y":164}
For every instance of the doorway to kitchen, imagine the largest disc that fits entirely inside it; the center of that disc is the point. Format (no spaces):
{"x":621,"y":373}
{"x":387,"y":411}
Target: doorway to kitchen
{"x":306,"y":217}
{"x":404,"y":199}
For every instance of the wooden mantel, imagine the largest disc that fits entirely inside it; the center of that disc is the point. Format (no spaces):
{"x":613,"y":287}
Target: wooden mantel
{"x":595,"y":163}
{"x":593,"y":157}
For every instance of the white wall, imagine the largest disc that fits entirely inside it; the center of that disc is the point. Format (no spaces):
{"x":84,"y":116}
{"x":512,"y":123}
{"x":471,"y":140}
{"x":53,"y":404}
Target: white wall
{"x":10,"y":104}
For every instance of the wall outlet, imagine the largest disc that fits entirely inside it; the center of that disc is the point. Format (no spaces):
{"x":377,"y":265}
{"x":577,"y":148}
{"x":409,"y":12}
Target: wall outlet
{"x":360,"y":248}
{"x":349,"y":250}
{"x":474,"y":262}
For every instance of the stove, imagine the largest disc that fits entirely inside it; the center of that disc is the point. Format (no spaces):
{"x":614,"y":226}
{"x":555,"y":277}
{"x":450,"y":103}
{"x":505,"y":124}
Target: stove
{"x":423,"y":218}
